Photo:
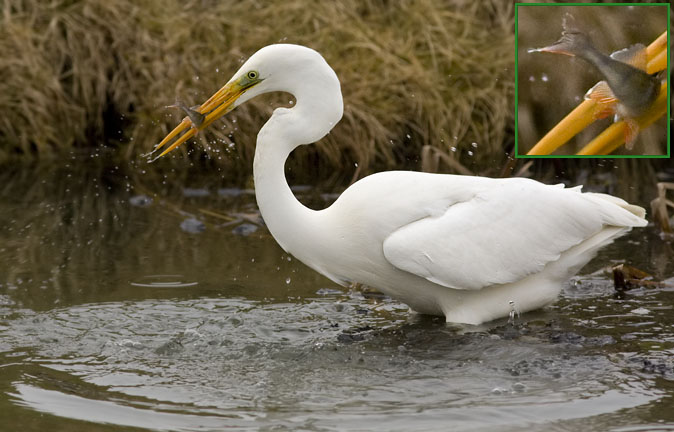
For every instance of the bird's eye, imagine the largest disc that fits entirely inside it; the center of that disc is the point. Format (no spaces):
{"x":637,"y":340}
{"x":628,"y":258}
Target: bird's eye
{"x":252,"y":75}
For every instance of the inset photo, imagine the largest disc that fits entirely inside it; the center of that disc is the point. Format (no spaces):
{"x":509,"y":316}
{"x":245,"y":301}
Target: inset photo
{"x":592,"y":80}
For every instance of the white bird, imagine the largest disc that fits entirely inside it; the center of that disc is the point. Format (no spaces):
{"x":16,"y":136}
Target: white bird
{"x":469,"y":248}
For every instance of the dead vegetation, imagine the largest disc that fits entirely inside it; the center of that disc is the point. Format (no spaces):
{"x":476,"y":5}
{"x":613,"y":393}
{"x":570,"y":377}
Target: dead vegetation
{"x":94,"y":73}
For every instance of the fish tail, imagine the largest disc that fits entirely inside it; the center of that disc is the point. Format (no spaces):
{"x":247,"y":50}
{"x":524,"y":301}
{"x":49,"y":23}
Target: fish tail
{"x":573,"y":41}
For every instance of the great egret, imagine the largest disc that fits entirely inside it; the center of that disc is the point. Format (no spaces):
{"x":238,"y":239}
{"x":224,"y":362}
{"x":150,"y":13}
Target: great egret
{"x":468,"y":248}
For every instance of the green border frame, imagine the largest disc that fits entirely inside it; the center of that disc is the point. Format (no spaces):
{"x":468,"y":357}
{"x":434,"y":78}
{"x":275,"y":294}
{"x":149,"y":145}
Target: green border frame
{"x":609,"y":156}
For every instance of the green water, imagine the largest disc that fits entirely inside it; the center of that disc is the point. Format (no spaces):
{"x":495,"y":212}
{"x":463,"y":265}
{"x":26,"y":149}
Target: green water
{"x":128,"y":302}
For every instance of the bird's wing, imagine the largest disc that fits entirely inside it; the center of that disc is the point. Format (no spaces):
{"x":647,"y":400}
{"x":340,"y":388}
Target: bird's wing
{"x":498,"y":234}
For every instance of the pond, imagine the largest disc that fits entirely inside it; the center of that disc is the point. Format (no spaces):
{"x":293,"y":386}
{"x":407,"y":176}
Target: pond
{"x":128,"y":302}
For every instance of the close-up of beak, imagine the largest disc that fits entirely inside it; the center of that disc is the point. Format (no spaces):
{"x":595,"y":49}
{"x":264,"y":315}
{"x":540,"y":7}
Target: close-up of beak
{"x":587,"y":112}
{"x":584,"y":115}
{"x":216,"y":106}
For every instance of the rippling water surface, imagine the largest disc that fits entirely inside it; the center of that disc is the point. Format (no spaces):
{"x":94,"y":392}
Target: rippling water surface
{"x":129,"y":304}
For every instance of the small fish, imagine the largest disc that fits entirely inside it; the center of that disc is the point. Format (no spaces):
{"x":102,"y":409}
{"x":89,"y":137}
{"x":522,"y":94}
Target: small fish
{"x":195,"y":116}
{"x":627,"y":92}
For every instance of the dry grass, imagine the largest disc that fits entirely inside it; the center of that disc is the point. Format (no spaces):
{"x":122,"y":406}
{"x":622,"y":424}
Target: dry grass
{"x":89,"y":73}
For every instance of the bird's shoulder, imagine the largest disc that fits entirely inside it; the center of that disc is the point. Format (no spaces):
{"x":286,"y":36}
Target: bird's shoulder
{"x":429,"y":192}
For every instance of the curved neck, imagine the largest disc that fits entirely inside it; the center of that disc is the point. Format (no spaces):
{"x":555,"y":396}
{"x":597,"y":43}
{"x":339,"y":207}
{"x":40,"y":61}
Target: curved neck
{"x":283,"y":214}
{"x":317,"y":109}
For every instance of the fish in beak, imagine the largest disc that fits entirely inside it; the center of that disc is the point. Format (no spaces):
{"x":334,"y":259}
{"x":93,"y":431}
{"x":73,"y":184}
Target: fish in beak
{"x":628,"y":90}
{"x":222,"y":102}
{"x":195,"y":117}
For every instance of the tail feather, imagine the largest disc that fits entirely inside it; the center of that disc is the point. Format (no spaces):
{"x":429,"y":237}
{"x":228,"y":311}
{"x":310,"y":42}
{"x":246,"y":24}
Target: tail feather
{"x":575,"y":258}
{"x":620,"y":213}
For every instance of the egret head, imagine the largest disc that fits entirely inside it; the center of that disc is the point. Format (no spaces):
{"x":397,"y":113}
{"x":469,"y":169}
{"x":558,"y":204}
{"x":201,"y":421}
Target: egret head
{"x":291,"y":68}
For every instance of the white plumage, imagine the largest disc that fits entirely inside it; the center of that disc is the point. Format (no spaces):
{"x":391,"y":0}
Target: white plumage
{"x":459,"y":246}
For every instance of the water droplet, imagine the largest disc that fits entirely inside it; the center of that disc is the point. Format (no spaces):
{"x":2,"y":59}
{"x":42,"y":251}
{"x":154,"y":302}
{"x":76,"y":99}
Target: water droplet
{"x":544,"y":78}
{"x":474,"y":144}
{"x":532,"y":79}
{"x":470,"y":153}
{"x":514,"y":311}
{"x":287,"y":281}
{"x":453,"y":149}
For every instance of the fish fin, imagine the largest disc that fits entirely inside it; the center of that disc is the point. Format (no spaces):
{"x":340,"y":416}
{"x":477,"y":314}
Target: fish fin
{"x":602,"y":111}
{"x":633,"y":56}
{"x":631,"y":132}
{"x":601,"y":93}
{"x":572,"y":41}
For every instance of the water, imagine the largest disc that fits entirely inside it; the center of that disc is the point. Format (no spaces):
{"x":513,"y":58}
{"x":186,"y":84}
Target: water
{"x":115,"y":315}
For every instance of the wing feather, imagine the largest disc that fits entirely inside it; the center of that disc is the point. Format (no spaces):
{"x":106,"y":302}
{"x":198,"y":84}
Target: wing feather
{"x":497,"y":235}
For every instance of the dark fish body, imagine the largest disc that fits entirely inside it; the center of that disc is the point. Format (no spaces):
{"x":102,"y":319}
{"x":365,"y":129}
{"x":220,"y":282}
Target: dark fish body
{"x":634,"y":88}
{"x":195,"y":117}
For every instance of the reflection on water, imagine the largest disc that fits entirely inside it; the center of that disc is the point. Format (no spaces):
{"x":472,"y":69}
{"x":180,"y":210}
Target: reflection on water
{"x":163,"y":281}
{"x":113,"y":314}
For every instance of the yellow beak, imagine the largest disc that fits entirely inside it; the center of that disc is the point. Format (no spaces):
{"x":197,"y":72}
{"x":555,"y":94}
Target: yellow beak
{"x":216,"y":106}
{"x":584,"y":114}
